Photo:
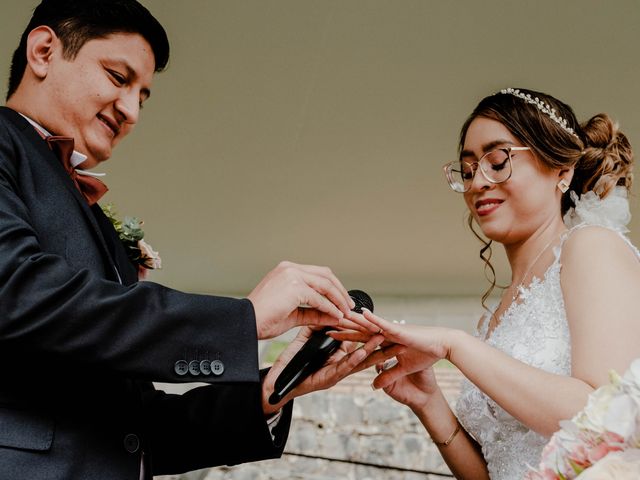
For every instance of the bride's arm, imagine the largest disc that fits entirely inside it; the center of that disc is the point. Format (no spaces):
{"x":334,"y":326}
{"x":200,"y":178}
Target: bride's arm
{"x":536,"y":398}
{"x":601,"y":287}
{"x":462,"y":454}
{"x":422,"y":394}
{"x":600,"y":283}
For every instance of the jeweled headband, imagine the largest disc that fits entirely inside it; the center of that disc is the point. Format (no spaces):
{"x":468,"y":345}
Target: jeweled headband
{"x":543,"y":107}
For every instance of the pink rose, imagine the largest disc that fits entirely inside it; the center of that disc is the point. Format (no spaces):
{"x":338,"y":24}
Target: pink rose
{"x":150,"y":258}
{"x":143,"y":273}
{"x":601,"y":450}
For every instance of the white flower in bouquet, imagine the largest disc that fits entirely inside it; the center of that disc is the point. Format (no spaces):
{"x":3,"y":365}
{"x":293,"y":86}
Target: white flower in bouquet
{"x":603,"y":440}
{"x":592,"y":416}
{"x":631,"y":381}
{"x":615,"y":466}
{"x":621,"y":416}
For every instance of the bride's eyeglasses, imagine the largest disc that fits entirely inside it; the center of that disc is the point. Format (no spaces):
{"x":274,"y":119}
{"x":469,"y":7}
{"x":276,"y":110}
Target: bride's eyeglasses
{"x":495,"y":166}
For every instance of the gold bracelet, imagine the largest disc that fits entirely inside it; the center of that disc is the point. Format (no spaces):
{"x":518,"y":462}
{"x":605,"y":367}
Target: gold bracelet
{"x":451,"y":437}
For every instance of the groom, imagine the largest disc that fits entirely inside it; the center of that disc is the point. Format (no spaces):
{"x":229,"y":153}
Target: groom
{"x":80,"y":339}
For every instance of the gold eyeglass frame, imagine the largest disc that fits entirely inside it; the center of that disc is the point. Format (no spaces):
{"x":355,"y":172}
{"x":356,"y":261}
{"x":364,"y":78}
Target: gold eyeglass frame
{"x":475,"y":166}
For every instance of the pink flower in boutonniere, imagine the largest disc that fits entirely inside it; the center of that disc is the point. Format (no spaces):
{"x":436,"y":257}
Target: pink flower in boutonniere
{"x":150,"y":258}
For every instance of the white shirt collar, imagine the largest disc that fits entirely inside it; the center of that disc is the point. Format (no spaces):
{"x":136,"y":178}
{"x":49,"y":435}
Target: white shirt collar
{"x":76,"y":157}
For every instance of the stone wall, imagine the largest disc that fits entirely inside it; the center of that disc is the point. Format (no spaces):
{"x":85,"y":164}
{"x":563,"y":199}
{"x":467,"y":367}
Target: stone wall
{"x":350,"y":432}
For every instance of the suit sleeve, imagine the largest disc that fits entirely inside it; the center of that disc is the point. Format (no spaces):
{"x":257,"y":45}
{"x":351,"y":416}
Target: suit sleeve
{"x":211,"y":425}
{"x":51,"y":310}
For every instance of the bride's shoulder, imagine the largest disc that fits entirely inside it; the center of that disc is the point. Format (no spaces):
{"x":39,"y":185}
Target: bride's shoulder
{"x":589,"y":234}
{"x":585,"y":236}
{"x":592,"y":245}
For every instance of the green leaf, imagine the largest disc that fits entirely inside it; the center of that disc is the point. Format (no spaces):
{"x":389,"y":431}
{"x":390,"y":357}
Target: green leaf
{"x":129,"y":231}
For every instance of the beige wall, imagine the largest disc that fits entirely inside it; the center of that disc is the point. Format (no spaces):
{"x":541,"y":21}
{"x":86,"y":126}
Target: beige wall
{"x":315,"y":130}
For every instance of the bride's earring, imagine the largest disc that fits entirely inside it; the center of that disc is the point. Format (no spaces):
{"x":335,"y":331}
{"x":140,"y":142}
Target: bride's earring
{"x":563,"y":185}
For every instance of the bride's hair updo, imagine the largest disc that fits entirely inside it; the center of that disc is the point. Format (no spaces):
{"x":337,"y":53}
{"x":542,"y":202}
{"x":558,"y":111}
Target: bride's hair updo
{"x":599,"y":152}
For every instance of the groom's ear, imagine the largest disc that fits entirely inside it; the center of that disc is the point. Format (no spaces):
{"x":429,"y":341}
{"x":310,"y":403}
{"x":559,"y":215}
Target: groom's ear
{"x":42,"y":43}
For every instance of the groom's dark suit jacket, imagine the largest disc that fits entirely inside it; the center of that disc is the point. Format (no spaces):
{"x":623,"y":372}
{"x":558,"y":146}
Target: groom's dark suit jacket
{"x":78,"y":349}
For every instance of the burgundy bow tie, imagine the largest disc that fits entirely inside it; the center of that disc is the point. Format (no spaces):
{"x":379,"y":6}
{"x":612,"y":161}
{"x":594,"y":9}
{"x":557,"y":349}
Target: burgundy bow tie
{"x":91,"y":188}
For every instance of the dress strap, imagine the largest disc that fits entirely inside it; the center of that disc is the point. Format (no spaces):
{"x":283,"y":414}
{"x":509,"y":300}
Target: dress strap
{"x":558,"y":250}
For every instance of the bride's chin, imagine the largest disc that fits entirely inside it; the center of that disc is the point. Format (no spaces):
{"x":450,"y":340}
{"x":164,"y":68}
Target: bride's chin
{"x":493,"y":234}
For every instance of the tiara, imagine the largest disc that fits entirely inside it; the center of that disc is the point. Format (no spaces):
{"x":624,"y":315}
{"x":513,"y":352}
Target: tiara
{"x":543,"y":107}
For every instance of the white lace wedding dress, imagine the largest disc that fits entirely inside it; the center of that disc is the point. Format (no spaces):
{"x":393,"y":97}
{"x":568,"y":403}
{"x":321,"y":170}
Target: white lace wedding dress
{"x":534,"y":331}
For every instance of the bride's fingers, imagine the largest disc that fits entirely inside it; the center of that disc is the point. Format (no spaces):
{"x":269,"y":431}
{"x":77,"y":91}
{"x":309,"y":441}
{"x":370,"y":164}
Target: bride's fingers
{"x":388,"y":377}
{"x":376,"y":320}
{"x":389,"y":329}
{"x":350,"y":363}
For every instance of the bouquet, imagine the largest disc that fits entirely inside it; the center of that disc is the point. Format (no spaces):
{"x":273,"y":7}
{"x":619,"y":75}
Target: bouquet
{"x":603,"y":440}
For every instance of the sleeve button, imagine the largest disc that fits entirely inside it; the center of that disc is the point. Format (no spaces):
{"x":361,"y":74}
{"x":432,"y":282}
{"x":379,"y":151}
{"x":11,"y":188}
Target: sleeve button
{"x":181,"y":367}
{"x":205,"y":367}
{"x":131,"y":443}
{"x":217,"y":367}
{"x":194,"y":368}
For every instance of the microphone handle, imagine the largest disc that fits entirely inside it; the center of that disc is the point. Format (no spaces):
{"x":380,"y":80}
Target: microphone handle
{"x":309,"y":359}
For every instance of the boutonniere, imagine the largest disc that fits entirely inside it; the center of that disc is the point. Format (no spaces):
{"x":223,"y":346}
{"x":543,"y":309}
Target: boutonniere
{"x":132,"y":237}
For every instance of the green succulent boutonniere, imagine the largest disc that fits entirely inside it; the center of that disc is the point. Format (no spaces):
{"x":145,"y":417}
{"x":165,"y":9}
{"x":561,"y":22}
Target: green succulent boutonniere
{"x":131,"y":235}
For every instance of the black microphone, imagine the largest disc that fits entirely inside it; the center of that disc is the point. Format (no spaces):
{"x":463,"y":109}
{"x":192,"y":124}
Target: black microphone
{"x":314,"y":353}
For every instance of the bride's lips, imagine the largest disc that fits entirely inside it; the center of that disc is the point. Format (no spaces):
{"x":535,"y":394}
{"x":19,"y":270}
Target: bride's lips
{"x":110,"y":124}
{"x":487,"y":205}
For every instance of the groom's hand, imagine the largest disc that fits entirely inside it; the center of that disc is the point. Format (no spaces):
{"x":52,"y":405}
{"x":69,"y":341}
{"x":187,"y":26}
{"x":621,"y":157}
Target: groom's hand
{"x":342,"y":363}
{"x":278,"y":297}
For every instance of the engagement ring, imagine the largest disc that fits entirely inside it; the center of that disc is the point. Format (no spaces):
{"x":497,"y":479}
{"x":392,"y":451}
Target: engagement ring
{"x":390,"y":363}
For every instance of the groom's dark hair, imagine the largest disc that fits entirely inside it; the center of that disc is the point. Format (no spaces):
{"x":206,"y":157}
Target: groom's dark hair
{"x":75,"y":22}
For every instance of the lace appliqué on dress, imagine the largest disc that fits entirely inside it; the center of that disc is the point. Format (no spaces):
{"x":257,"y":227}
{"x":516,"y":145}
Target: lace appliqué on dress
{"x":534,"y":331}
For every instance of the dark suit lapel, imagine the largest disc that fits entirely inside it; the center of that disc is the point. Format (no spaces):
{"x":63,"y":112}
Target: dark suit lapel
{"x":53,"y":165}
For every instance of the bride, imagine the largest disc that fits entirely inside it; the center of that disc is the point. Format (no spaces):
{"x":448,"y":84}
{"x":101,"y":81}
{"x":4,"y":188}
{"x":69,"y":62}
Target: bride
{"x":553,"y":192}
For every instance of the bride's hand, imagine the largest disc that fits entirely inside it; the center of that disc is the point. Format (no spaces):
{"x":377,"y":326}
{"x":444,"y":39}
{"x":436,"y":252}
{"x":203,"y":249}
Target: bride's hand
{"x":429,"y":344}
{"x":431,"y":340}
{"x":415,"y":389}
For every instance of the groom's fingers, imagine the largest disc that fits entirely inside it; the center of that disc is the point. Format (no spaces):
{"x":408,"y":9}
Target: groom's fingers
{"x":347,"y":324}
{"x":345,"y":349}
{"x":327,"y":292}
{"x":349,"y":335}
{"x":368,"y":349}
{"x":312,"y":298}
{"x":330,"y":276}
{"x":350,"y":361}
{"x":362,"y":322}
{"x":379,"y":356}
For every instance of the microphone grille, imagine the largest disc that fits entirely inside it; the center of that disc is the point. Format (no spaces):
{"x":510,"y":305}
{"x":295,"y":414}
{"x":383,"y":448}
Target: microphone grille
{"x":362,"y":300}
